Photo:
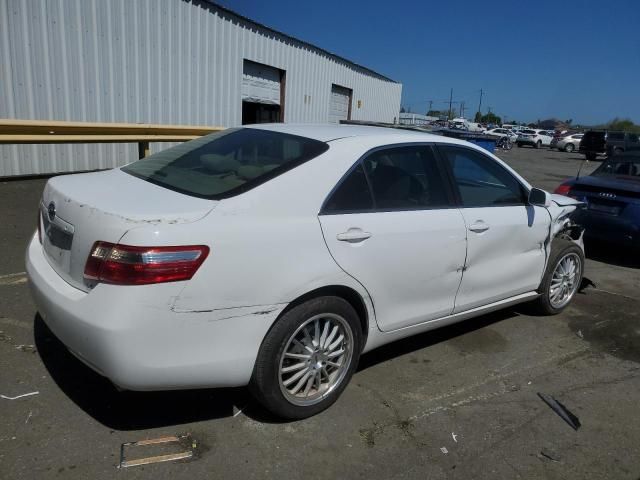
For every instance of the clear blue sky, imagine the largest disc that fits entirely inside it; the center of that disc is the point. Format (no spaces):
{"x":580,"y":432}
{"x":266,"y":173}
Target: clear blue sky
{"x":533,"y":59}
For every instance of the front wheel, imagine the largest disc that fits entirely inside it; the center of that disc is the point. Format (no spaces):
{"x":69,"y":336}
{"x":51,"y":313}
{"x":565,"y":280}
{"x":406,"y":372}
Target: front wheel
{"x":538,"y":144}
{"x":307,"y":358}
{"x":561,"y":279}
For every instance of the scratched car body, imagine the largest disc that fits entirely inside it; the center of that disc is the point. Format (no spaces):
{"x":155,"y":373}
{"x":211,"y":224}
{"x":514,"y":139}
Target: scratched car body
{"x":274,"y":256}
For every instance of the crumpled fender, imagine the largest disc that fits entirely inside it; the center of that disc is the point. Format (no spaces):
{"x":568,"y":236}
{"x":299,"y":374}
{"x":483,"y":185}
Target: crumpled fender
{"x":562,"y":224}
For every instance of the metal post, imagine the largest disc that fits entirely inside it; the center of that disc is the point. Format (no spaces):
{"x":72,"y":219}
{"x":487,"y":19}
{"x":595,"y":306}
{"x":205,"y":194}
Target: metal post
{"x":143,"y":149}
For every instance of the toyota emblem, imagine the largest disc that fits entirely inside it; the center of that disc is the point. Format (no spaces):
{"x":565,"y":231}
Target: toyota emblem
{"x":51,"y":211}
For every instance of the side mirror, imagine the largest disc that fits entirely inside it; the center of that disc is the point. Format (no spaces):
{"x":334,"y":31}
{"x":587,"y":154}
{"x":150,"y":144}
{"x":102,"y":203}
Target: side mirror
{"x":539,"y":197}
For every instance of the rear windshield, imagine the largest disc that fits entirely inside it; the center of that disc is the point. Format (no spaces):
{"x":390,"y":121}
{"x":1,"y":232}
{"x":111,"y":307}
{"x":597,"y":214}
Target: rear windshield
{"x":227,"y":163}
{"x":627,"y":167}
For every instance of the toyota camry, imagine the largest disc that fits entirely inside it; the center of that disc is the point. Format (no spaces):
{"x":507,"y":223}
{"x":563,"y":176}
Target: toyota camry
{"x":273,"y":256}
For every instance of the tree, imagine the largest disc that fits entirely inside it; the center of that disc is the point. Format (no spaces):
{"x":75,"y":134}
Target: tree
{"x":478,"y":117}
{"x":402,"y":110}
{"x":625,"y":125}
{"x":491,"y":118}
{"x":434,"y":113}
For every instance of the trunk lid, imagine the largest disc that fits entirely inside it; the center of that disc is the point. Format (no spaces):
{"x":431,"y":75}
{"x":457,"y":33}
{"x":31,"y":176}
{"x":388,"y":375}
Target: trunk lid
{"x":78,"y":210}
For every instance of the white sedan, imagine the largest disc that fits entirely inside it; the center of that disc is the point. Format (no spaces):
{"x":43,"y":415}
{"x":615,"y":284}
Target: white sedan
{"x":275,"y":255}
{"x":502,"y":132}
{"x":534,"y":138}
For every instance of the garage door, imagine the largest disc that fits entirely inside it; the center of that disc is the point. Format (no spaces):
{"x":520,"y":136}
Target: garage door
{"x":340,"y":103}
{"x":260,"y":83}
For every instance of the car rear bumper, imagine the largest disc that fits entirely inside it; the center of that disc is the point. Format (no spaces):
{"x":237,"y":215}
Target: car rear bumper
{"x":131,"y":335}
{"x":608,"y":228}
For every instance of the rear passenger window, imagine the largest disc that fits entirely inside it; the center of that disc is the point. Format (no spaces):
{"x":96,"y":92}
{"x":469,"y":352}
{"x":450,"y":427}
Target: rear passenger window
{"x":352,"y":194}
{"x":481,"y":181}
{"x":405,"y":178}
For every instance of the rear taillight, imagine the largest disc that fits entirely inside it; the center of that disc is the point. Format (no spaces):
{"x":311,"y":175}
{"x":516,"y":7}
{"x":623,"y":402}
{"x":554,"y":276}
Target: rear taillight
{"x":128,"y":265}
{"x":563,"y":189}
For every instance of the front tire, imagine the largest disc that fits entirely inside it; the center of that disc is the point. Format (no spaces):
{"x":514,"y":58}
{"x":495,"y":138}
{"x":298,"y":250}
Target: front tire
{"x":538,"y":144}
{"x":307,"y":358}
{"x":561,"y":279}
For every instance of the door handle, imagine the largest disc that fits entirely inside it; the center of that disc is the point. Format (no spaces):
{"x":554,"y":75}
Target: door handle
{"x":353,"y":235}
{"x":479,"y":227}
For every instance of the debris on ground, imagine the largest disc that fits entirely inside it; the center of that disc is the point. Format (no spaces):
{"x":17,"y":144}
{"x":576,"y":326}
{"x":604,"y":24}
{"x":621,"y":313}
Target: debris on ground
{"x":579,"y":333}
{"x":185,"y":445}
{"x":550,"y":455}
{"x":444,"y":450}
{"x":561,"y":410}
{"x":28,"y":417}
{"x":19,"y":396}
{"x":26,"y":348}
{"x":455,"y":437}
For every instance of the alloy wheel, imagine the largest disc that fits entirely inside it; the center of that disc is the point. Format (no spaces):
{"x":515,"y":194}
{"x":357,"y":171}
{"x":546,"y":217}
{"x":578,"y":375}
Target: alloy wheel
{"x":315,"y":359}
{"x":564,"y":281}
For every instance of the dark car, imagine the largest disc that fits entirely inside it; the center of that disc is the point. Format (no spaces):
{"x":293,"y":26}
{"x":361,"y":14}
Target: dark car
{"x":612,"y":200}
{"x":618,"y":142}
{"x":593,"y":143}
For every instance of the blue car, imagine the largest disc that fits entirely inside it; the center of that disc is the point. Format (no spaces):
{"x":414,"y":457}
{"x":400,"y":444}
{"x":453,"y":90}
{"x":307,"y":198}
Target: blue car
{"x":612,"y":200}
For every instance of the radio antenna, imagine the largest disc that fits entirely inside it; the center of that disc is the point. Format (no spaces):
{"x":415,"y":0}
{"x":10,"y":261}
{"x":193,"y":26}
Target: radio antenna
{"x":580,"y":168}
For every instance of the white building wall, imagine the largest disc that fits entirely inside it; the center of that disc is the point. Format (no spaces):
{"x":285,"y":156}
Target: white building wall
{"x":154,"y":61}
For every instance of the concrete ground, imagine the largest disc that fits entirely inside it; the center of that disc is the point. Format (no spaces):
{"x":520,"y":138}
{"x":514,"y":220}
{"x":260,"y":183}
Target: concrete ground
{"x":460,"y":402}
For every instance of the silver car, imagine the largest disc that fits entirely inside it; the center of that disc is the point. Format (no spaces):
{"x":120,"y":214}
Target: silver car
{"x":568,"y":143}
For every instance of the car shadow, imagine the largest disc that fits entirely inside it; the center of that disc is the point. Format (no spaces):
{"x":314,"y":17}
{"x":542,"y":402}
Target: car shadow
{"x":432,"y":337}
{"x":124,"y":410}
{"x":612,"y":254}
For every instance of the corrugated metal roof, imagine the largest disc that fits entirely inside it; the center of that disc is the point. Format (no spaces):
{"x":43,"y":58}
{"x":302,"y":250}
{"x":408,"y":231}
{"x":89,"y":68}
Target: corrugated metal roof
{"x":301,"y":42}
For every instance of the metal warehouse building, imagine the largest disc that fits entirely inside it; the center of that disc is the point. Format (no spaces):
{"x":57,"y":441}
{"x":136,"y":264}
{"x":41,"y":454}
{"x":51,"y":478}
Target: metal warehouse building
{"x":164,"y":62}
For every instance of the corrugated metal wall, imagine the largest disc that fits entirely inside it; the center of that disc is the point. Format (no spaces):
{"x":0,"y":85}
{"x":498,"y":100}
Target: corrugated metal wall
{"x":153,"y":61}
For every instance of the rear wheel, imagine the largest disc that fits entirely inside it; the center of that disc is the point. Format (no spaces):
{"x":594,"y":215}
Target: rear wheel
{"x":538,"y":144}
{"x":519,"y":144}
{"x":591,"y":156}
{"x":561,"y":279}
{"x":307,"y":358}
{"x":569,"y":147}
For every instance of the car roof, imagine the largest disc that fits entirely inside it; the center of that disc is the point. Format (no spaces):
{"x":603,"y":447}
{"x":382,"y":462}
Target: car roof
{"x":328,"y":132}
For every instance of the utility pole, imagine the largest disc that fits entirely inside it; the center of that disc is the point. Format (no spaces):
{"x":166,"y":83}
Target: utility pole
{"x":462,"y":109}
{"x":450,"y":101}
{"x":430,"y":105}
{"x":480,"y":104}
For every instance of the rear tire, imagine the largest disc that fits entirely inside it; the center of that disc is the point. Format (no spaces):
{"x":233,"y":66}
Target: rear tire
{"x":307,"y":358}
{"x":538,"y":144}
{"x":569,"y":147}
{"x":559,"y":275}
{"x":591,"y":156}
{"x":519,"y":144}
